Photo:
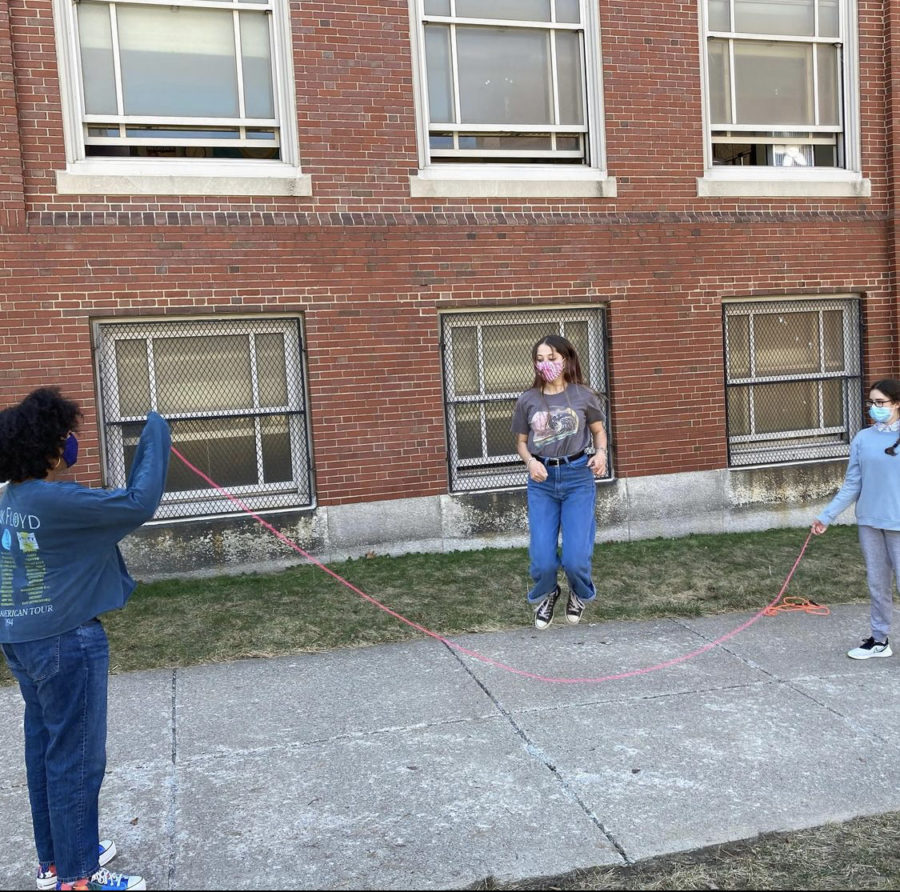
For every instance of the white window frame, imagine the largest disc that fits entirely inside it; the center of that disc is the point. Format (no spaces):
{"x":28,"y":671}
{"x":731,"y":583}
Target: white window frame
{"x":94,"y":175}
{"x":496,"y":180}
{"x":793,"y":182}
{"x":509,"y":469}
{"x":757,"y":449}
{"x":205,"y":502}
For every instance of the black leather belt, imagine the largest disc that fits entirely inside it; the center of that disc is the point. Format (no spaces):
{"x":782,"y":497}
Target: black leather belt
{"x":565,"y":460}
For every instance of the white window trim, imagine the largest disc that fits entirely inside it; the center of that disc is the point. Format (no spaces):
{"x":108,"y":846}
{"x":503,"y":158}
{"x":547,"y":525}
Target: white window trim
{"x":135,"y":176}
{"x":772,"y":182}
{"x":455,"y":180}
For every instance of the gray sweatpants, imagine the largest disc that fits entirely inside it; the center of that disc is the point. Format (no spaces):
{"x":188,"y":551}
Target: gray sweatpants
{"x":881,"y":550}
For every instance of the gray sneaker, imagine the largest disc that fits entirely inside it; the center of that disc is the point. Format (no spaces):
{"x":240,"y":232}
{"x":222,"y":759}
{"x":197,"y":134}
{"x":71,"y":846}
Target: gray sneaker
{"x":543,"y":615}
{"x":871,"y":648}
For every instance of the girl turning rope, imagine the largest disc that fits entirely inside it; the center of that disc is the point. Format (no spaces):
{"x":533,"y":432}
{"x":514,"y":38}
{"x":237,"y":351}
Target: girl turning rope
{"x":873,"y":484}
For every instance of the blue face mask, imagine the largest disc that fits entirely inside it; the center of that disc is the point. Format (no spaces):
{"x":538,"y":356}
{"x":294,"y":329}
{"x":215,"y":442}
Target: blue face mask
{"x":70,"y":451}
{"x":879,"y":413}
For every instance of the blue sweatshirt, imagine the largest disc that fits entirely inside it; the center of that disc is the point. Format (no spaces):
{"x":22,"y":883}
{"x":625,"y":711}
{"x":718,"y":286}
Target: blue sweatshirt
{"x":60,"y":563}
{"x":872,"y":481}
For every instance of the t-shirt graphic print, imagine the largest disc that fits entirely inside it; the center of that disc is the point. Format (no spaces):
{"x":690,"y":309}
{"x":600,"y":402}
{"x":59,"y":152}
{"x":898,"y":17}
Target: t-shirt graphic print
{"x":557,"y":424}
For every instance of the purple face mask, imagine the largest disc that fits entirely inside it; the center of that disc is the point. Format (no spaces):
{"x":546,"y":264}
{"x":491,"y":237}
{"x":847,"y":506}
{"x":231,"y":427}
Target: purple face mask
{"x":70,"y":451}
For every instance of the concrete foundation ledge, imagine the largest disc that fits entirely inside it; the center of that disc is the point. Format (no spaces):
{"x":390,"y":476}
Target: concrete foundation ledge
{"x":668,"y":505}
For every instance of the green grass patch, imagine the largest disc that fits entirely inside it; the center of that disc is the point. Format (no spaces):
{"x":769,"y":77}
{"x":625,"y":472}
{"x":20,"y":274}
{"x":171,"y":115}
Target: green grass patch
{"x":186,"y":622}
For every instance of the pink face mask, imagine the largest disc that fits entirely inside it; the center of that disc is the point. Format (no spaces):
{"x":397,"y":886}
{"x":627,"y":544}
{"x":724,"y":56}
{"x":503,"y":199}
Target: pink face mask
{"x":549,"y":370}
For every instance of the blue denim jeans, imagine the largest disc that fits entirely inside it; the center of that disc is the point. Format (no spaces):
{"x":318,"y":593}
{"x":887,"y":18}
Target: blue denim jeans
{"x":63,"y":680}
{"x":564,"y":502}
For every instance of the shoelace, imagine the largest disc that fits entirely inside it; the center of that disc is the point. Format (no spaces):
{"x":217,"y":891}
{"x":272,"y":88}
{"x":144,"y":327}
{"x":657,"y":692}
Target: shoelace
{"x":108,"y":878}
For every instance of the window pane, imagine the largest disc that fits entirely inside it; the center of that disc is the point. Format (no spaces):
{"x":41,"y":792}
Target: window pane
{"x":98,"y":72}
{"x":468,"y":432}
{"x":437,"y":7}
{"x":775,"y":17}
{"x":223,"y":448}
{"x":773,"y":83}
{"x":276,"y":449}
{"x":504,"y":76}
{"x":270,"y":370}
{"x":568,"y":11}
{"x":205,"y":374}
{"x":738,"y":411}
{"x":788,"y":406}
{"x":507,"y":357}
{"x":786,"y":343}
{"x":465,"y":362}
{"x":132,"y":377}
{"x":522,"y":10}
{"x":833,"y":338}
{"x":506,"y":143}
{"x":177,"y":61}
{"x":738,"y":346}
{"x":500,"y":438}
{"x":577,"y":333}
{"x":829,"y":85}
{"x":256,"y":58}
{"x":829,"y":21}
{"x":440,"y":79}
{"x":569,"y":68}
{"x":833,"y":402}
{"x":718,"y":15}
{"x":719,"y":82}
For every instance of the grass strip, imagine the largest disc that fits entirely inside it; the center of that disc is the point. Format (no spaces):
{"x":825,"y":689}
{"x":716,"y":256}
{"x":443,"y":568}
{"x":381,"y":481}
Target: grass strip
{"x":187,"y":622}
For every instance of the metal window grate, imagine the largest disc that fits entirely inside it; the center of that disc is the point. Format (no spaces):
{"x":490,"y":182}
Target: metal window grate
{"x":487,"y":365}
{"x":233,"y":393}
{"x":793,"y":387}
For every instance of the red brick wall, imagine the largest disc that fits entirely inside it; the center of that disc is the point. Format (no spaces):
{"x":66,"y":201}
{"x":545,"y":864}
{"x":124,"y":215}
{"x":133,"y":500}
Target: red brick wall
{"x":370,"y":268}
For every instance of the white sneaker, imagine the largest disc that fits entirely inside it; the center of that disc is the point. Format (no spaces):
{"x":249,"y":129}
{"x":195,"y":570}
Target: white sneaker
{"x":46,"y":878}
{"x":871,"y":648}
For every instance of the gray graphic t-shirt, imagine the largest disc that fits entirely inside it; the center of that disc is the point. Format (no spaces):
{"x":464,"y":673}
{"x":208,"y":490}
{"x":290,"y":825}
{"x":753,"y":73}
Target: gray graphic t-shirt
{"x":557,"y":424}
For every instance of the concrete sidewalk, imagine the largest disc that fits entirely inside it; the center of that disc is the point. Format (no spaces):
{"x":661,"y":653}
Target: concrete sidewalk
{"x":412,"y":766}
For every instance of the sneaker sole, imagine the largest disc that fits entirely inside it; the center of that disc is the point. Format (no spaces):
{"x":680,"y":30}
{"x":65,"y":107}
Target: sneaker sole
{"x":573,"y":620}
{"x":887,"y":652}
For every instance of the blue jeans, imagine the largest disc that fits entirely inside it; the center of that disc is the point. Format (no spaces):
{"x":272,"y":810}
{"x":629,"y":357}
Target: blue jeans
{"x":63,"y":680}
{"x":563,"y":502}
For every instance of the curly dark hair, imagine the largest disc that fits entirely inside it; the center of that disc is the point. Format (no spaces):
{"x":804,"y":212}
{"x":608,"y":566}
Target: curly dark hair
{"x":33,"y":432}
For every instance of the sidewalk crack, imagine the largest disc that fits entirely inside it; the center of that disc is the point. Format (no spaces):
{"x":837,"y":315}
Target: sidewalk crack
{"x":171,"y":811}
{"x":537,"y":753}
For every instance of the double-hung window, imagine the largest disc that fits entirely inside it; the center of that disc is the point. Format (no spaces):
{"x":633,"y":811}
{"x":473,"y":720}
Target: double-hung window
{"x":233,"y":393}
{"x":505,"y":86}
{"x":487,"y":365}
{"x":781,"y":92}
{"x":793,"y":386}
{"x":201,"y":87}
